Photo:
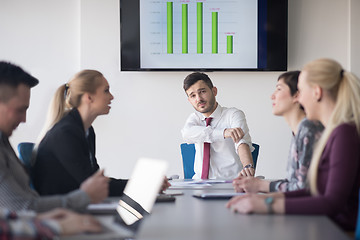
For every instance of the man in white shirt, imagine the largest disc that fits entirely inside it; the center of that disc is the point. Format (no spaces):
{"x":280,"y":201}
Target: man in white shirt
{"x":228,"y":133}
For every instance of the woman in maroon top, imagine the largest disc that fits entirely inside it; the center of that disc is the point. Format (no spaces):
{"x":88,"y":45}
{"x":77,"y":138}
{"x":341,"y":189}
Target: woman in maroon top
{"x":332,"y":96}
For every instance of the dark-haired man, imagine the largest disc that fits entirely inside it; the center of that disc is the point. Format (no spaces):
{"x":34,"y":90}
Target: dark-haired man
{"x":217,"y":131}
{"x":15,"y":190}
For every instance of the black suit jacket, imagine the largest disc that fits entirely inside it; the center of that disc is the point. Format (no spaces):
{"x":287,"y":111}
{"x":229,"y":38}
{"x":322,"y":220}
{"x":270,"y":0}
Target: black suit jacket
{"x":63,"y":159}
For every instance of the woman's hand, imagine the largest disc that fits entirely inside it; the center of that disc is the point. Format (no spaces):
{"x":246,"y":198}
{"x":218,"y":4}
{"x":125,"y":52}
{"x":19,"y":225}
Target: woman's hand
{"x":165,"y":185}
{"x":255,"y":203}
{"x":96,"y":186}
{"x":248,"y":203}
{"x":250,"y":184}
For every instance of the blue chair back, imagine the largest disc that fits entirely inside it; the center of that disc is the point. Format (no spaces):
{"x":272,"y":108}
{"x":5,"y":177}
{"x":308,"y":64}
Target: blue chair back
{"x":25,"y":150}
{"x":357,"y":231}
{"x":188,"y":157}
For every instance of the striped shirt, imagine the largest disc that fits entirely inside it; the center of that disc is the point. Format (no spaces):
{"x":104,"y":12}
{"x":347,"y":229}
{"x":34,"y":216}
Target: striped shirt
{"x":301,"y":150}
{"x":14,"y":226}
{"x":16,"y":193}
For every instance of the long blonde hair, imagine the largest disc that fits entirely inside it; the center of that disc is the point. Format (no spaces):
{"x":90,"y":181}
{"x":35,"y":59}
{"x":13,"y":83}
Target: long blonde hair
{"x":344,"y":88}
{"x":68,"y":96}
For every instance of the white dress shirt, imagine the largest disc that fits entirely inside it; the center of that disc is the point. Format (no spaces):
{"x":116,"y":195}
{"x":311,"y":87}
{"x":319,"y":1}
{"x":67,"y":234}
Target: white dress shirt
{"x":224,"y":159}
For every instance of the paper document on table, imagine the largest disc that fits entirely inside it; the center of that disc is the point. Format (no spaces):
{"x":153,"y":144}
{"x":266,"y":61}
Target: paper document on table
{"x":198,"y":183}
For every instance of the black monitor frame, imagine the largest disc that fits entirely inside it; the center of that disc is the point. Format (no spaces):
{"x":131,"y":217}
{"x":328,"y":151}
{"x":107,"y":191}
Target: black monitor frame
{"x":272,"y":38}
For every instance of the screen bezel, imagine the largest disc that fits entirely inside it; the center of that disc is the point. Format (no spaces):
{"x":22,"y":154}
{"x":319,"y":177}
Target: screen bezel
{"x":272,"y":38}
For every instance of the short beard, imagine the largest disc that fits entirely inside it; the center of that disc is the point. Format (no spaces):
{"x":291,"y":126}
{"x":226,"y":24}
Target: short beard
{"x":212,"y":103}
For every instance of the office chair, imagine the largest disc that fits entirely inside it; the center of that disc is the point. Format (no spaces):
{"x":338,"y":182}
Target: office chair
{"x":188,"y":157}
{"x":25,"y":150}
{"x":357,"y":230}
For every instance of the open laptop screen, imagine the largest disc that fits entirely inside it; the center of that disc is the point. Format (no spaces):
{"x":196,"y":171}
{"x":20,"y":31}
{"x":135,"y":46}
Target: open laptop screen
{"x":141,"y":190}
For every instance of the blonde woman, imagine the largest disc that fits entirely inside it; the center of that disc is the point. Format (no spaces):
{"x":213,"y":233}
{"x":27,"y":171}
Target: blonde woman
{"x":331,"y":95}
{"x":66,"y":154}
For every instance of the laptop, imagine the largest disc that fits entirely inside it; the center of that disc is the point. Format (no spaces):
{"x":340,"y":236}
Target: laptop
{"x":137,"y":202}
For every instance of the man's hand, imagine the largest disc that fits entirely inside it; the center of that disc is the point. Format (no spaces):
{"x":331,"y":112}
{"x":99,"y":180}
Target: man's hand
{"x":96,"y":186}
{"x":235,"y":133}
{"x":71,"y":222}
{"x":247,"y":172}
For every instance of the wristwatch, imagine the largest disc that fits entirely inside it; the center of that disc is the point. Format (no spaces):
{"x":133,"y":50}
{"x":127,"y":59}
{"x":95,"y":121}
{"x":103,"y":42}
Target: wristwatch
{"x":269,"y":202}
{"x":250,"y":165}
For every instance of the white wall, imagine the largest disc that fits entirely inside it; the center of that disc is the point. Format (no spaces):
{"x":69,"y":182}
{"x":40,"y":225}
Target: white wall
{"x":43,"y":37}
{"x":354,"y":47}
{"x":54,"y":39}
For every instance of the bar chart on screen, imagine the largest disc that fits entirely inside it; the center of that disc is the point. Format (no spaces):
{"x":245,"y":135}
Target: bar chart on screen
{"x":198,"y":33}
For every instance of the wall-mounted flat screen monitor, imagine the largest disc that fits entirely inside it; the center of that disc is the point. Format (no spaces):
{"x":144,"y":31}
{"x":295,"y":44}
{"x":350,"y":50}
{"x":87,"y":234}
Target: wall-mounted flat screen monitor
{"x":203,"y":35}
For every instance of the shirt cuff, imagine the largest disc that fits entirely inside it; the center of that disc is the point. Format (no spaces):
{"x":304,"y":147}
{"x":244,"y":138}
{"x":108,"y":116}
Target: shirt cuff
{"x":78,"y":200}
{"x":297,"y":193}
{"x":217,"y":134}
{"x":53,"y":225}
{"x":241,"y":142}
{"x":26,"y":214}
{"x":274,"y":186}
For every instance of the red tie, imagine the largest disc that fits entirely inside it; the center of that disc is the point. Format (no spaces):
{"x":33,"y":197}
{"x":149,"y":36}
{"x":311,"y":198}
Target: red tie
{"x":206,"y":157}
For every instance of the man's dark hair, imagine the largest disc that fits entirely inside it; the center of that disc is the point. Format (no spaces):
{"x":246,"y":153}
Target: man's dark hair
{"x":192,"y":78}
{"x":291,"y":79}
{"x":11,"y":76}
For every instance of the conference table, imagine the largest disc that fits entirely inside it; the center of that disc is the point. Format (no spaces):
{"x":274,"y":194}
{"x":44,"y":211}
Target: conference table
{"x":194,"y":218}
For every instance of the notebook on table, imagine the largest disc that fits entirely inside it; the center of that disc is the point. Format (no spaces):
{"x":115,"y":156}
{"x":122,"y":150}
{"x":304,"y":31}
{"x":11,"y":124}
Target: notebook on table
{"x":138,"y":200}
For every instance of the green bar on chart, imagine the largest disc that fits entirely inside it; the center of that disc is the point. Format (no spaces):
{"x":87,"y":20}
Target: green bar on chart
{"x":214,"y":32}
{"x":199,"y":29}
{"x":184,"y":28}
{"x":170,"y":27}
{"x":229,"y":44}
